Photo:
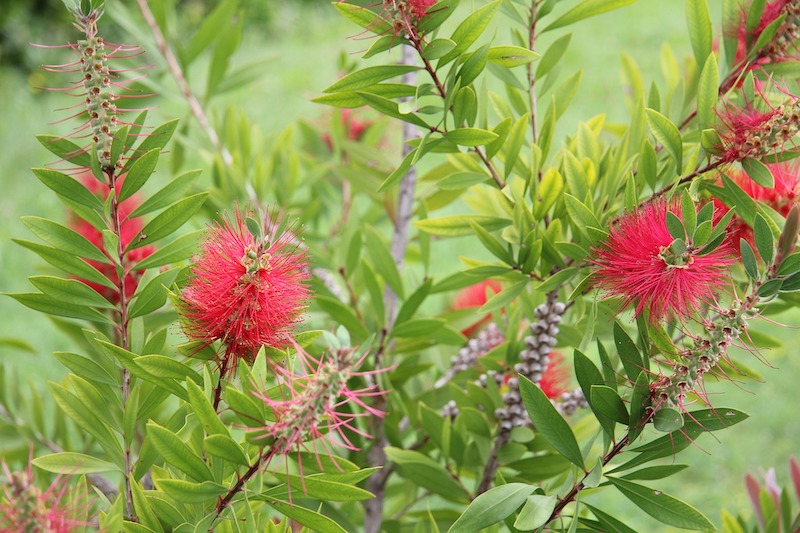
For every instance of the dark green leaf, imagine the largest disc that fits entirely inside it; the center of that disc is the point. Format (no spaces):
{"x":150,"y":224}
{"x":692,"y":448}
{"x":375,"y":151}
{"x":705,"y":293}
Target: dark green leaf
{"x":426,"y":473}
{"x":491,"y":507}
{"x":176,"y":453}
{"x":667,"y":134}
{"x":66,"y":150}
{"x":369,"y":76}
{"x":67,"y":262}
{"x":51,"y":306}
{"x":64,"y":238}
{"x":765,"y":243}
{"x":138,"y":173}
{"x":748,"y":259}
{"x":170,"y":193}
{"x":70,"y":291}
{"x":675,"y":226}
{"x":469,"y":30}
{"x":655,"y":472}
{"x":668,"y":420}
{"x":189,"y":492}
{"x":607,"y":401}
{"x":153,"y":295}
{"x":68,"y":187}
{"x":306,"y":517}
{"x":758,"y":172}
{"x":158,"y":138}
{"x":549,"y":423}
{"x":639,"y":398}
{"x":663,"y":507}
{"x":628,"y":352}
{"x":169,"y":220}
{"x":181,"y":248}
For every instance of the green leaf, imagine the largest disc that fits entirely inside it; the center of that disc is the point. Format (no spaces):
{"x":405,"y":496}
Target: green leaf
{"x":663,"y":507}
{"x":189,"y":492}
{"x":549,"y":423}
{"x":639,"y":398}
{"x":608,"y":522}
{"x":138,"y":173}
{"x":426,"y":473}
{"x":86,"y":419}
{"x":628,"y":352}
{"x":758,"y":172}
{"x":154,"y":295}
{"x":391,"y":109}
{"x":66,"y":150}
{"x":668,"y":420}
{"x":176,"y":453}
{"x":47,"y":304}
{"x":552,"y":55}
{"x":204,"y":411}
{"x":675,"y":226}
{"x":181,"y":248}
{"x":667,"y":134}
{"x":504,"y":297}
{"x":364,"y":17}
{"x":68,"y":187}
{"x":748,"y":259}
{"x":72,"y":463}
{"x":511,"y":56}
{"x":456,"y":225}
{"x":581,"y":215}
{"x":417,"y":327}
{"x":168,"y":194}
{"x":470,"y":136}
{"x":586,"y":9}
{"x":71,"y":291}
{"x":688,"y":214}
{"x":324,"y":487}
{"x":306,"y":517}
{"x":162,"y":366}
{"x":158,"y":138}
{"x":64,"y":238}
{"x":536,"y":512}
{"x":655,"y":472}
{"x":491,"y":507}
{"x":765,"y":243}
{"x":67,"y":262}
{"x":608,"y":402}
{"x":700,"y":32}
{"x":169,"y":220}
{"x":381,"y":256}
{"x":86,"y":368}
{"x":366,"y":77}
{"x":209,"y":30}
{"x":224,"y":447}
{"x":469,"y":30}
{"x":341,"y":313}
{"x":707,"y":89}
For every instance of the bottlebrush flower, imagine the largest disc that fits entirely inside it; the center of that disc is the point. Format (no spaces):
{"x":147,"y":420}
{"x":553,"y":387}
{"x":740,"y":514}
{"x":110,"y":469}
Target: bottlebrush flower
{"x":555,"y":378}
{"x":750,"y":132}
{"x":782,"y":197}
{"x":648,"y":268}
{"x":353,"y":127}
{"x":475,"y":296}
{"x":319,"y":408}
{"x":419,"y":8}
{"x":245,"y":290}
{"x":129,"y":230}
{"x":778,"y":48}
{"x":25,"y":507}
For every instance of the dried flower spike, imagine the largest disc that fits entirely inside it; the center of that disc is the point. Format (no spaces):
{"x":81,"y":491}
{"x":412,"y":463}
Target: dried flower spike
{"x":245,"y":290}
{"x":664,"y":276}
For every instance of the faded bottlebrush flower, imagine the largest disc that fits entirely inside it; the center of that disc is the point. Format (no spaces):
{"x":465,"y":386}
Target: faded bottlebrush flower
{"x":642,"y":263}
{"x":24,"y":507}
{"x":750,"y":132}
{"x":779,"y":48}
{"x":316,"y":408}
{"x":475,"y":296}
{"x":98,"y":84}
{"x":245,"y":290}
{"x":468,"y":356}
{"x":782,"y":197}
{"x":130,"y":229}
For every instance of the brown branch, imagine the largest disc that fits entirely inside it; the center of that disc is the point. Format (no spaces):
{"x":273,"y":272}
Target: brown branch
{"x":177,"y":73}
{"x":492,"y":463}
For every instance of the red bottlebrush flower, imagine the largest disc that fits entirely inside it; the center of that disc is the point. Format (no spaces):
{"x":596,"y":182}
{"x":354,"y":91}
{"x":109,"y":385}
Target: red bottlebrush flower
{"x":25,"y":507}
{"x":555,"y":377}
{"x":778,"y":48}
{"x":475,"y":296}
{"x":354,"y":128}
{"x":320,"y":409}
{"x":782,"y":197}
{"x":245,"y":290}
{"x":420,"y":8}
{"x":129,"y":230}
{"x":750,"y":132}
{"x":644,"y":265}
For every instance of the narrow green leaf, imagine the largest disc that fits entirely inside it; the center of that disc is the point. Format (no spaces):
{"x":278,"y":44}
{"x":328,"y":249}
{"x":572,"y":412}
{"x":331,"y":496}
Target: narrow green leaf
{"x":675,"y":226}
{"x":707,"y":90}
{"x":456,"y":225}
{"x":700,"y":32}
{"x":469,"y":30}
{"x":688,"y":214}
{"x":166,"y":367}
{"x":639,"y":398}
{"x":381,"y":256}
{"x":224,"y":447}
{"x":363,"y":17}
{"x":158,"y":138}
{"x":70,"y":291}
{"x":470,"y":136}
{"x":608,"y":402}
{"x":765,"y":243}
{"x":663,"y":507}
{"x":87,"y":420}
{"x":86,"y":368}
{"x":748,"y":259}
{"x":154,"y":295}
{"x":511,"y":56}
{"x":67,"y":262}
{"x":504,"y":297}
{"x":138,"y":173}
{"x":176,"y":453}
{"x":66,"y":150}
{"x":318,"y":486}
{"x":390,"y":108}
{"x":169,"y":220}
{"x":491,"y":507}
{"x":72,"y":463}
{"x":552,"y":55}
{"x":64,"y":238}
{"x":758,"y":172}
{"x":47,"y":304}
{"x":426,"y":473}
{"x":181,"y":248}
{"x":204,"y":411}
{"x":536,"y":512}
{"x":170,"y":193}
{"x":655,"y":472}
{"x":68,"y":187}
{"x":628,"y":352}
{"x":667,"y":134}
{"x":549,"y":423}
{"x":189,"y":492}
{"x":366,"y":77}
{"x":306,"y":517}
{"x":586,"y":9}
{"x":609,"y":523}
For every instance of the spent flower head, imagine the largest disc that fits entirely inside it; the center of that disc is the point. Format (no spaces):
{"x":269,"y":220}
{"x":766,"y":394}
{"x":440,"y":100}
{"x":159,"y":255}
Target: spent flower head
{"x":247,"y":286}
{"x":316,"y":407}
{"x":664,"y":275}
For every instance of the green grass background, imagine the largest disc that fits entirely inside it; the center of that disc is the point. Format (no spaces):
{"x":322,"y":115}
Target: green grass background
{"x":304,"y":44}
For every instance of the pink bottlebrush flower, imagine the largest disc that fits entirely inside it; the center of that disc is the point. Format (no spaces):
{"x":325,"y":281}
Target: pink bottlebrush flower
{"x":475,"y":296}
{"x":25,"y":507}
{"x":354,"y":128}
{"x":555,"y":378}
{"x":419,"y":8}
{"x":750,"y":132}
{"x":776,"y":50}
{"x":782,"y":197}
{"x":130,"y":229}
{"x":644,"y":265}
{"x":318,"y":408}
{"x":244,"y":290}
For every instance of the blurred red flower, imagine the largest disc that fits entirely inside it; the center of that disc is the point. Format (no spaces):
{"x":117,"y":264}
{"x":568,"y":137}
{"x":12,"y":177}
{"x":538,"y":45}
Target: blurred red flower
{"x":475,"y":296}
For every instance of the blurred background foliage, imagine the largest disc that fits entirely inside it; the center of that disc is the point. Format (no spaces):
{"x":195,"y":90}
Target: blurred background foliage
{"x":294,"y":50}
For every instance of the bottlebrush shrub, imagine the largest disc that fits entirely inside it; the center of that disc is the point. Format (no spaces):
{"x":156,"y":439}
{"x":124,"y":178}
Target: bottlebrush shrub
{"x":326,"y":378}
